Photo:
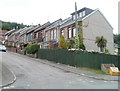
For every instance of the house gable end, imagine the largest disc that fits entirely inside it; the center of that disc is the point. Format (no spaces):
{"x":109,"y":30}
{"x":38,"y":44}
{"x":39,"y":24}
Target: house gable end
{"x":98,"y":11}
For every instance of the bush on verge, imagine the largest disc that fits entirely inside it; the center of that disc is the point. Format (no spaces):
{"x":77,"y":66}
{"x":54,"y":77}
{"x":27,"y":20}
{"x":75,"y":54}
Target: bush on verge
{"x":32,"y":48}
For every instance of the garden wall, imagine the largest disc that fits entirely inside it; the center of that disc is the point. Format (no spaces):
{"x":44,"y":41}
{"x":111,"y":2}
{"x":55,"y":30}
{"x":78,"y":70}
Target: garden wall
{"x":78,"y":58}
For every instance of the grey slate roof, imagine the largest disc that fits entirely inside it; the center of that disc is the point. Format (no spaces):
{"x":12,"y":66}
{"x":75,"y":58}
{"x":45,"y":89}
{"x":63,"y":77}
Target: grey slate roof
{"x":32,"y":29}
{"x":42,"y":27}
{"x":70,"y":21}
{"x":10,"y":32}
{"x":25,"y":30}
{"x":87,"y":10}
{"x":20,"y":30}
{"x":54,"y":24}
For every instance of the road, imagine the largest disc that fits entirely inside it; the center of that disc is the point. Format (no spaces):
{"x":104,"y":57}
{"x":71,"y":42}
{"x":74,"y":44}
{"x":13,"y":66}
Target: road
{"x":32,"y":74}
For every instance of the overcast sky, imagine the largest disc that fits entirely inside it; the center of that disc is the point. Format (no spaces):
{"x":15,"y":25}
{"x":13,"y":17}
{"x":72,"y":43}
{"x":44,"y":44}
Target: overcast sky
{"x":40,"y":11}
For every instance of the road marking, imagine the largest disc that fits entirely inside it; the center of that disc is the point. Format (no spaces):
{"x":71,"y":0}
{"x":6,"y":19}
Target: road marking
{"x":28,"y":85}
{"x":91,"y":81}
{"x":79,"y":79}
{"x":82,"y":74}
{"x":12,"y":86}
{"x":6,"y":87}
{"x":105,"y":81}
{"x":70,"y":82}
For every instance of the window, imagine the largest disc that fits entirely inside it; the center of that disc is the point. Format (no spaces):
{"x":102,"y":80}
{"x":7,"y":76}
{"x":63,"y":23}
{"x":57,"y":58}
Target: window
{"x":39,"y":35}
{"x":80,"y":14}
{"x":83,"y":13}
{"x":46,"y":36}
{"x":55,"y":34}
{"x":69,"y":32}
{"x":77,"y":15}
{"x":62,"y":32}
{"x":31,"y":36}
{"x":73,"y":17}
{"x":73,"y":32}
{"x":35,"y":34}
{"x":51,"y":35}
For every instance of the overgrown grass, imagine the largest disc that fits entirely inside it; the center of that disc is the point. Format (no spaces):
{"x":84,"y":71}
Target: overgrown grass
{"x":96,"y":71}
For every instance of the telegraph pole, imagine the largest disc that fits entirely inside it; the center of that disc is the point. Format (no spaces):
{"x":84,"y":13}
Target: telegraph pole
{"x":76,"y":26}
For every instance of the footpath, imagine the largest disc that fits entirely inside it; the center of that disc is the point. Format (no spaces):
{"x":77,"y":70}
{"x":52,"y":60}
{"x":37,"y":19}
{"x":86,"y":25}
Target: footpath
{"x":7,"y":77}
{"x":79,"y":71}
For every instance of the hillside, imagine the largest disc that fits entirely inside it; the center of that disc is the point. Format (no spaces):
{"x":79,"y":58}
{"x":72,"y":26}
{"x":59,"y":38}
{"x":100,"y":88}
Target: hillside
{"x":10,"y":25}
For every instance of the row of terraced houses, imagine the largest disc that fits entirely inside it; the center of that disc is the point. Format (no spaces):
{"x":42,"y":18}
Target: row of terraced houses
{"x":48,"y":35}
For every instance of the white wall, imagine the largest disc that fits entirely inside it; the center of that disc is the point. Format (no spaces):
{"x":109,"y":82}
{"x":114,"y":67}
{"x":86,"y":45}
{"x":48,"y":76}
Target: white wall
{"x":97,"y":26}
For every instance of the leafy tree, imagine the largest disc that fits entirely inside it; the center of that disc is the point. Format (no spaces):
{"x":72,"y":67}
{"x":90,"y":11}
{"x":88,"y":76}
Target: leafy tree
{"x":71,"y":43}
{"x":79,"y":42}
{"x":117,"y":39}
{"x":10,"y":25}
{"x":101,"y":42}
{"x":63,"y":43}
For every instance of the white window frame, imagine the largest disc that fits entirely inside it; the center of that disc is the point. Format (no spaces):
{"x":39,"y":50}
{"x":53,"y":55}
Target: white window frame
{"x":69,"y":33}
{"x":83,"y":13}
{"x":73,"y":17}
{"x":55,"y":34}
{"x":46,"y":36}
{"x":62,"y":32}
{"x":80,"y":14}
{"x":51,"y":35}
{"x":74,"y":32}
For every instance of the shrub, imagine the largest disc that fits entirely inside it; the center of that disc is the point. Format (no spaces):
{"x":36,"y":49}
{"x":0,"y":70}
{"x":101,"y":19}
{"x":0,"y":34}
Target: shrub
{"x":32,"y":48}
{"x":82,"y":46}
{"x":106,"y":51}
{"x":63,"y":43}
{"x":9,"y":45}
{"x":71,"y":43}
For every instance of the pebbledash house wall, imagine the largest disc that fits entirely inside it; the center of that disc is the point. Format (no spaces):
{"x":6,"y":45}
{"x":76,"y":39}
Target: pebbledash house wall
{"x":96,"y":25}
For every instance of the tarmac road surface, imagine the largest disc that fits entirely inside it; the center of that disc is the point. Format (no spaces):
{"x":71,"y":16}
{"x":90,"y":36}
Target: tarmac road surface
{"x":32,"y":74}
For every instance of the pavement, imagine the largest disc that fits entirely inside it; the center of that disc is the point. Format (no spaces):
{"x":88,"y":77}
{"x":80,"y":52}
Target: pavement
{"x":8,"y":77}
{"x":80,"y":71}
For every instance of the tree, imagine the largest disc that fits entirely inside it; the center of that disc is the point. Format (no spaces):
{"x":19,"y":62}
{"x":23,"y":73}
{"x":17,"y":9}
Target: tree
{"x":10,"y":25}
{"x":117,"y":39}
{"x":80,"y":43}
{"x":71,"y":43}
{"x":63,"y":43}
{"x":101,"y":42}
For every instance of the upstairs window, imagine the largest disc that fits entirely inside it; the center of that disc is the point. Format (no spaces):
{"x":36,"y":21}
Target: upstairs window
{"x":46,"y":36}
{"x":35,"y":34}
{"x":62,"y":32}
{"x":83,"y":13}
{"x":69,"y":33}
{"x":73,"y":17}
{"x":80,"y":14}
{"x":52,"y":35}
{"x":55,"y":34}
{"x":73,"y":32}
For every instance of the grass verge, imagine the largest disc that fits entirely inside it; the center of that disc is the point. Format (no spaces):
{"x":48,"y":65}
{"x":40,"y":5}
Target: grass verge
{"x":96,"y":71}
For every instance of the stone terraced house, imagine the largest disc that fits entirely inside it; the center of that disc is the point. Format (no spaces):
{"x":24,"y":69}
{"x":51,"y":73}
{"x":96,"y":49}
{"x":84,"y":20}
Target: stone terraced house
{"x":93,"y":24}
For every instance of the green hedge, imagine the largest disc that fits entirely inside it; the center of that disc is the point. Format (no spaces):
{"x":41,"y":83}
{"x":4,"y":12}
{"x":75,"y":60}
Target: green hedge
{"x":32,"y":48}
{"x":78,"y":58}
